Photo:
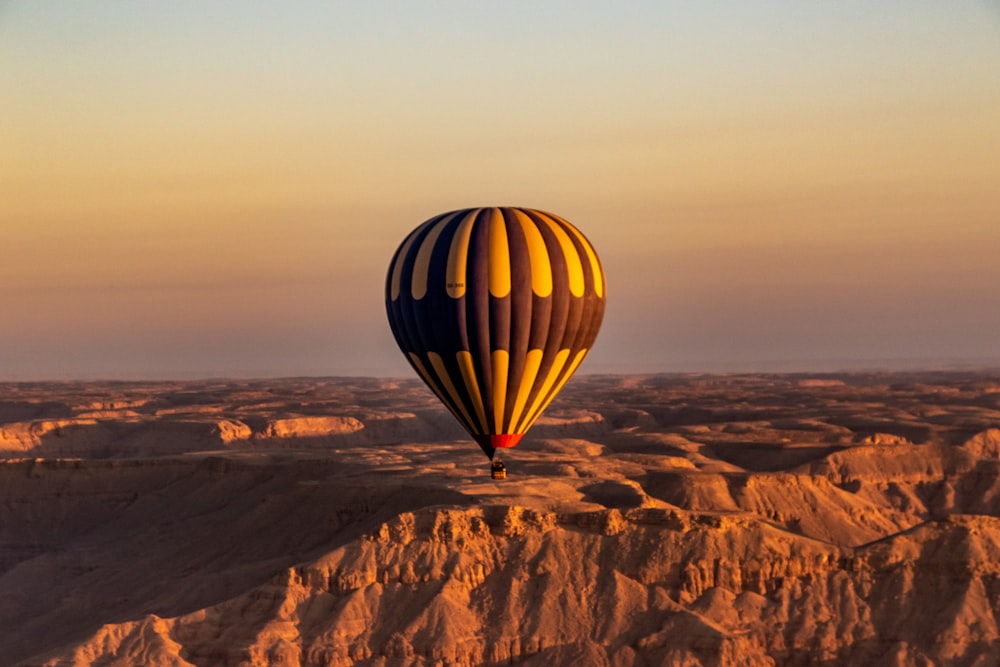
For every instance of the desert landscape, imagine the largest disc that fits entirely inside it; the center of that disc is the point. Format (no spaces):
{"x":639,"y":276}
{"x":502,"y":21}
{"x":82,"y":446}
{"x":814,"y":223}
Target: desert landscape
{"x":646,"y":520}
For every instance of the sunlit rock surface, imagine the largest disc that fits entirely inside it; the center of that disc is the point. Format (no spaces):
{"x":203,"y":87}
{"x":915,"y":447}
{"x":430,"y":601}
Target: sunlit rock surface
{"x":646,"y":520}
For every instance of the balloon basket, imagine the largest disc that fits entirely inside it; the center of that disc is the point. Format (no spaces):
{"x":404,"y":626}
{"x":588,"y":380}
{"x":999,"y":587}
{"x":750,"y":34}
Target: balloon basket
{"x":498,"y":470}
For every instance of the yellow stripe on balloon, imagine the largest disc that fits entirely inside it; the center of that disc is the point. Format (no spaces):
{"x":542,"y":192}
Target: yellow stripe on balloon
{"x":458,"y":256}
{"x":501,"y":367}
{"x":397,"y":269}
{"x":418,"y":282}
{"x":595,"y":266}
{"x":574,"y":267}
{"x":456,"y":399}
{"x":499,"y":255}
{"x":472,"y":386}
{"x":566,"y":376}
{"x":531,"y":364}
{"x":543,"y":392}
{"x":538,"y":256}
{"x":428,"y":380}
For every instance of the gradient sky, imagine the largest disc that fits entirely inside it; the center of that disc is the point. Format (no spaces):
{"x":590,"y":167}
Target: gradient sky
{"x":193,"y":189}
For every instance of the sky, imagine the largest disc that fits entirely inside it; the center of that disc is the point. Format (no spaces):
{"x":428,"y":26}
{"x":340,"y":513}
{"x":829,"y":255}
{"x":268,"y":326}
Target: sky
{"x":205,"y":189}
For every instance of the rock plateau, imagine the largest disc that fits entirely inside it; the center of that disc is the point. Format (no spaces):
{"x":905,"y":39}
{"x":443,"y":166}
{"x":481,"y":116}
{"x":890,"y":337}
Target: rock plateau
{"x":647,"y":520}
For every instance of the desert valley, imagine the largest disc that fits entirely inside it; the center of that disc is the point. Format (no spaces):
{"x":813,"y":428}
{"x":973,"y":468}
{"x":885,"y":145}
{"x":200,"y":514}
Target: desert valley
{"x":646,"y":520}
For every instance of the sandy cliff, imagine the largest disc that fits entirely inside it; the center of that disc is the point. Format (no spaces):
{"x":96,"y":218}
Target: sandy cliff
{"x":757,"y":520}
{"x":492,"y":585}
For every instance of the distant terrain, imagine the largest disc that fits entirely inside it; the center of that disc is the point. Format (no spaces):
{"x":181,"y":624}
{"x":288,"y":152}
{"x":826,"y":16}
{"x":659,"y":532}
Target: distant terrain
{"x":647,"y":520}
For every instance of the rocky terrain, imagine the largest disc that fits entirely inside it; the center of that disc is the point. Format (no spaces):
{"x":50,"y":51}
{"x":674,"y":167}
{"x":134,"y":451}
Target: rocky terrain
{"x":646,"y":520}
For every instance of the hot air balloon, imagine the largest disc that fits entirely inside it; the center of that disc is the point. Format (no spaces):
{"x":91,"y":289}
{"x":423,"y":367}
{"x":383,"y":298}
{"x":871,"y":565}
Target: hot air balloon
{"x":495,"y":308}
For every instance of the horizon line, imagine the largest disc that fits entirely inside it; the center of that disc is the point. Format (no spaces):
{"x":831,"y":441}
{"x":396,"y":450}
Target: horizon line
{"x":789,"y":367}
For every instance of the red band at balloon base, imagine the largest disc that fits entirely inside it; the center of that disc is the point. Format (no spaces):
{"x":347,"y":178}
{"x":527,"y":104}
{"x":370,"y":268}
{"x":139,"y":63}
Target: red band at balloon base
{"x":505,"y":440}
{"x":491,"y":442}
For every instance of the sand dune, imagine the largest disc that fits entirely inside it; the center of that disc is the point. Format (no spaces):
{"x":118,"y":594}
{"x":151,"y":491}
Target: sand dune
{"x":698,"y":520}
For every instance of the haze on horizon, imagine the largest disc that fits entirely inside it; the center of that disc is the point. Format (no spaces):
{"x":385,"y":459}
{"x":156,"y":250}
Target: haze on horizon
{"x":193,"y":190}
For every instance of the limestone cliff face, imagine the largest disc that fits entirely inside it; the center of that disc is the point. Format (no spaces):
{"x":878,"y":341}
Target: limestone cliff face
{"x":502,"y":585}
{"x":104,"y":435}
{"x":25,"y":436}
{"x":660,"y":520}
{"x":304,"y":427}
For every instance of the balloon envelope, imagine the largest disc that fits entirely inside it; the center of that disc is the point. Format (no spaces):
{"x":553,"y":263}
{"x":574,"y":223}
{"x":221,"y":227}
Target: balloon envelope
{"x":495,"y":308}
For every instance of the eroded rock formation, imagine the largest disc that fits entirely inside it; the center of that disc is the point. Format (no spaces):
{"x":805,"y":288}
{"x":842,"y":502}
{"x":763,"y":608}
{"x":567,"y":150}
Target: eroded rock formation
{"x":757,"y":520}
